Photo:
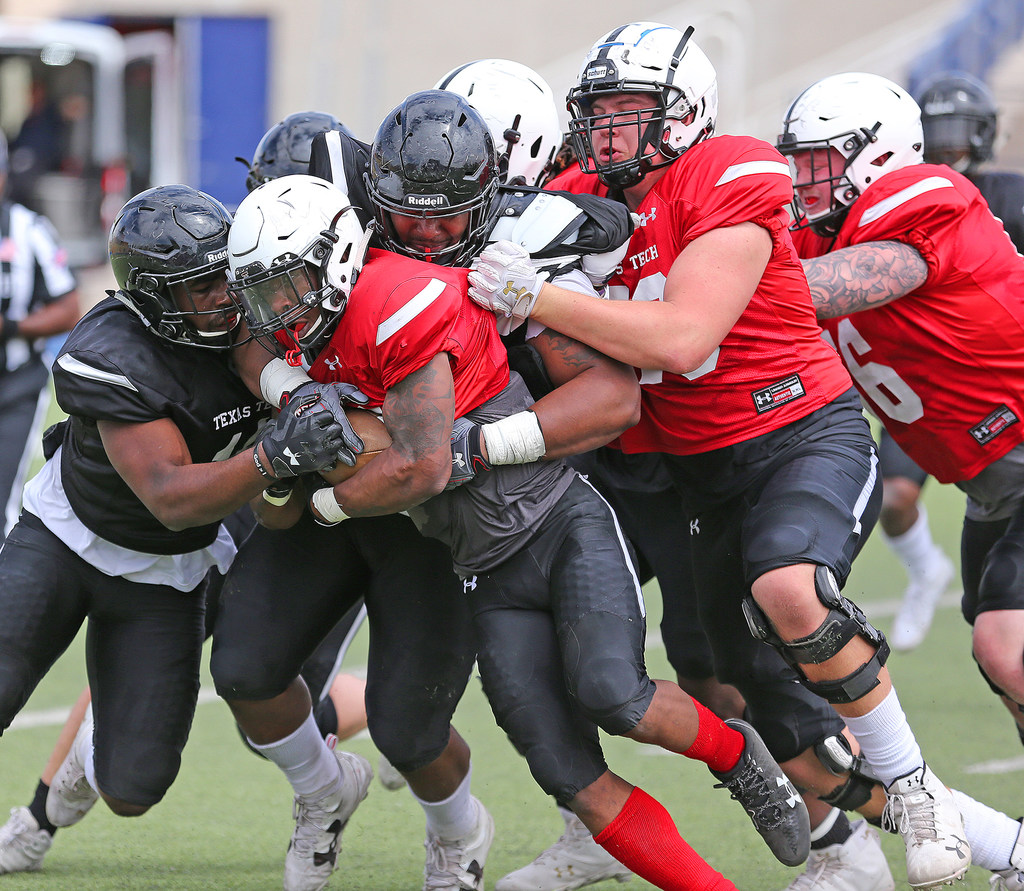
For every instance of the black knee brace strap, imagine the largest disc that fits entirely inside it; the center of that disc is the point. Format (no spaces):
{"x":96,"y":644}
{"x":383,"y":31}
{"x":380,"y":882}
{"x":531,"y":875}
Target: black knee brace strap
{"x":843,"y":622}
{"x":838,"y":758}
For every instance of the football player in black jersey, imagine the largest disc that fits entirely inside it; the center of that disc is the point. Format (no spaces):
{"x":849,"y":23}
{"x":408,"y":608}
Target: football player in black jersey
{"x":122,"y":526}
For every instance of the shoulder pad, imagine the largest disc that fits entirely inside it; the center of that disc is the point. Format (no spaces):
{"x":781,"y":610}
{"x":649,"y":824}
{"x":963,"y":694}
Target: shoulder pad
{"x":542,"y":222}
{"x":565,"y":222}
{"x":343,"y":160}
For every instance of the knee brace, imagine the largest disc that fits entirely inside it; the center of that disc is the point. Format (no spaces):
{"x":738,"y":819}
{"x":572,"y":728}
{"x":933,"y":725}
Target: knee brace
{"x":843,"y":622}
{"x":835,"y":754}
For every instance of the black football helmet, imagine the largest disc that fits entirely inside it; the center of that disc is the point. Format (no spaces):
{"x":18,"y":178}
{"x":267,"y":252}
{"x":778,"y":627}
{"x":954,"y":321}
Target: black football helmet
{"x":434,"y":156}
{"x":162,"y":237}
{"x":958,"y":113}
{"x":284,"y":148}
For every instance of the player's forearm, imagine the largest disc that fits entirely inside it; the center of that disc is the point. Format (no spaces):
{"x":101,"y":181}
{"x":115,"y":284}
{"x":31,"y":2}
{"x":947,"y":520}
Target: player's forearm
{"x":394,"y":481}
{"x":587,"y":412}
{"x":640,"y":333}
{"x":863,"y":276}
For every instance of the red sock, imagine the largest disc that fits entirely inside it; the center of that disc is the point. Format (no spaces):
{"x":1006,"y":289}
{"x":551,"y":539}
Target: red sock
{"x":644,"y":838}
{"x":717,"y":744}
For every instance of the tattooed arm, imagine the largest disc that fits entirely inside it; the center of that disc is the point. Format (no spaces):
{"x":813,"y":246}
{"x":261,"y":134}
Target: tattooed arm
{"x":595,"y":398}
{"x":863,"y":276}
{"x":418,"y":413}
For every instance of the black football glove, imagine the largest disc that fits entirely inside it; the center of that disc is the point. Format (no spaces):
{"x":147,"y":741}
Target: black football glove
{"x":304,"y":438}
{"x":333,"y":397}
{"x":467,"y":454}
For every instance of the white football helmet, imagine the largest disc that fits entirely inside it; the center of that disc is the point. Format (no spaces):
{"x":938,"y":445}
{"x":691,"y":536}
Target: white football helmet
{"x":644,"y":57}
{"x":520,"y":112}
{"x":295,"y":244}
{"x":872,"y":122}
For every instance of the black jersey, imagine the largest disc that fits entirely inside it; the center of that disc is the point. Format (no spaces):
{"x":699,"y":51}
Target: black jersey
{"x":343,"y":160}
{"x":1004,"y":193}
{"x":111,"y":368}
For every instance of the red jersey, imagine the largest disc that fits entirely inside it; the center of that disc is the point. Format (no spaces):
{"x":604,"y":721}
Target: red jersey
{"x":943,"y":366}
{"x":772,"y":368}
{"x":400,"y":315}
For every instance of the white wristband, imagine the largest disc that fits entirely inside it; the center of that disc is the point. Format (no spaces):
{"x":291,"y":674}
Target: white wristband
{"x":516,"y":439}
{"x":277,"y":500}
{"x":327,"y":506}
{"x":278,"y":378}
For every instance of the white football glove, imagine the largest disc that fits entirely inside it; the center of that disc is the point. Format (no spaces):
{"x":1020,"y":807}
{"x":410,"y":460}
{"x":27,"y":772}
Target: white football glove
{"x":504,"y":280}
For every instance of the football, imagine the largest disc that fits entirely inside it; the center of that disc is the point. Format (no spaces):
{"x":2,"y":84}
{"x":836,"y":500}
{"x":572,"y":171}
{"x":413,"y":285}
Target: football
{"x":370,"y":429}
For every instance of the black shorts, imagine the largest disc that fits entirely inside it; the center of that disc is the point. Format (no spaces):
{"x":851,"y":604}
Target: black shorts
{"x":561,"y":632}
{"x":992,"y":565}
{"x":808,"y":493}
{"x":893,"y":461}
{"x":647,"y":504}
{"x":143,"y":649}
{"x":286,"y":591}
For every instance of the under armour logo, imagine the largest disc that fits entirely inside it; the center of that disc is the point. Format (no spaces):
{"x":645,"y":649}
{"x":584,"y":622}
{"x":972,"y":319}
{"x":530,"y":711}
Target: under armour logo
{"x":333,"y":363}
{"x":518,"y":293}
{"x":469,"y":584}
{"x":792,"y":799}
{"x":648,"y":217}
{"x":958,"y":847}
{"x":458,"y":460}
{"x":291,"y":456}
{"x":695,"y":526}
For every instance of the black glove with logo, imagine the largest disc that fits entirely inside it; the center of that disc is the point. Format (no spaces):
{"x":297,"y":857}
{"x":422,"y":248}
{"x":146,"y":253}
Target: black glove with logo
{"x":305,"y":437}
{"x":467,"y":454}
{"x":334,"y":396}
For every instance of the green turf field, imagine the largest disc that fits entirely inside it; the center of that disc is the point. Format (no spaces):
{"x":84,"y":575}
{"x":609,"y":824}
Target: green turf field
{"x":226,"y":821}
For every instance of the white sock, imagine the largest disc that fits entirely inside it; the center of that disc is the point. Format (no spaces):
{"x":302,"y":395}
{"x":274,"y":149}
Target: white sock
{"x":88,"y":759}
{"x":915,"y":547}
{"x":991,"y":833}
{"x":825,"y":826}
{"x":886,"y":740}
{"x":304,"y":758}
{"x":455,"y":816}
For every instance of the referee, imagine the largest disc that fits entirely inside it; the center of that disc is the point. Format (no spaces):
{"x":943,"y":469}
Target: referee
{"x":37,"y":300}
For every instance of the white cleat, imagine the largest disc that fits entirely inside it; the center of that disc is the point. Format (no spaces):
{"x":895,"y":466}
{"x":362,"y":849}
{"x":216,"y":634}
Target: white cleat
{"x":922,"y":810}
{"x":22,"y":843}
{"x":459,"y":864}
{"x":71,"y":797}
{"x":858,"y":864}
{"x":917,"y":609}
{"x":390,"y":778}
{"x":574,"y":861}
{"x":316,"y":842}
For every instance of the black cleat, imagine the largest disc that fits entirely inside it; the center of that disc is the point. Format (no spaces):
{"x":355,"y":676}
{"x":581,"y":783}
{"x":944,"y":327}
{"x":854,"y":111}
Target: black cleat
{"x":769,"y":798}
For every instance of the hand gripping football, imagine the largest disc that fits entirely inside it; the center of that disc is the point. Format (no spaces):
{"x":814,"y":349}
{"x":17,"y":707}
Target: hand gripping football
{"x":372,"y":432}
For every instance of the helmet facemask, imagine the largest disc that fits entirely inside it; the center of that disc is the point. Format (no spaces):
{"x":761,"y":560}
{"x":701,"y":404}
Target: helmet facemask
{"x":294,"y":251}
{"x":825,"y":162}
{"x":165,"y":246}
{"x":675,"y":78}
{"x":461,"y":253}
{"x":652,"y":131}
{"x":434,"y":158}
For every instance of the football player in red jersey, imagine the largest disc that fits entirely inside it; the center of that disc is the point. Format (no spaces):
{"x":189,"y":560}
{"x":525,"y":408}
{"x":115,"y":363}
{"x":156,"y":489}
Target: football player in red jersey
{"x":762,"y":430}
{"x":920,"y":289}
{"x":543,"y":562}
